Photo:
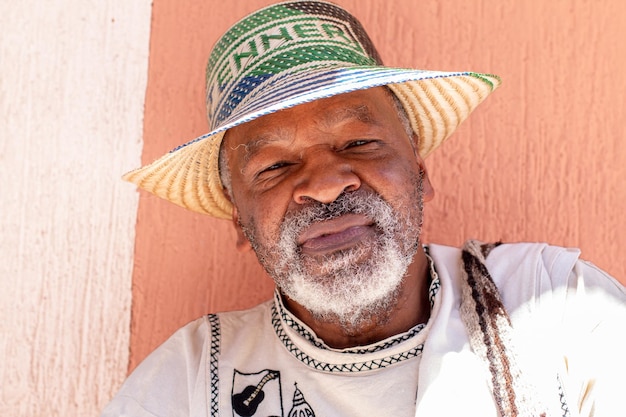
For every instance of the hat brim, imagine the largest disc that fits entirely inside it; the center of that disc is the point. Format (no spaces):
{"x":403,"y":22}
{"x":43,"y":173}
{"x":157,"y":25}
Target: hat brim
{"x":436,"y":103}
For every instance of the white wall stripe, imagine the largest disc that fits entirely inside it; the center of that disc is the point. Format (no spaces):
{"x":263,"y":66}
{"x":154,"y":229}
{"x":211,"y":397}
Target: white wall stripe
{"x":72,"y":92}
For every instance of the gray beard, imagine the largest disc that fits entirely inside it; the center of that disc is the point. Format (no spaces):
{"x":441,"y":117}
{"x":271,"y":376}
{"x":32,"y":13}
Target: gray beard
{"x":354,"y":285}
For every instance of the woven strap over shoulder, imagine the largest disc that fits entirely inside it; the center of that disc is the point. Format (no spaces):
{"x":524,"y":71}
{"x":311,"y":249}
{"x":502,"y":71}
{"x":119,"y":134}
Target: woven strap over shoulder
{"x":491,"y":336}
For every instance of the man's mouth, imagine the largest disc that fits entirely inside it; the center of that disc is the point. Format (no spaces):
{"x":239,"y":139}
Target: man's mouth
{"x":326,"y":237}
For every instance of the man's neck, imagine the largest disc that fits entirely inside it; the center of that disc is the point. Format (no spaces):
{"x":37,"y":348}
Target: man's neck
{"x":411,"y":308}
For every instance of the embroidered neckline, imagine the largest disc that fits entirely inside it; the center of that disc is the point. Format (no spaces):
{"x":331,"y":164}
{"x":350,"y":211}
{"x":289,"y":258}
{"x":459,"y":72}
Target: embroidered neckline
{"x":282,"y":317}
{"x":338,"y":367}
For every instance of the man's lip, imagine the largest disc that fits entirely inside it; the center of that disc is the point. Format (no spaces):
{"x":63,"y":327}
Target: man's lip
{"x":335,"y":233}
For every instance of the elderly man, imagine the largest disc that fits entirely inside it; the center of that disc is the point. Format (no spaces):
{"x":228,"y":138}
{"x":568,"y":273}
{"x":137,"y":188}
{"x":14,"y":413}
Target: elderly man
{"x":317,"y":153}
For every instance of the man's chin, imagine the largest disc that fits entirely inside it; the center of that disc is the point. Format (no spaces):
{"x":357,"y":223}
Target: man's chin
{"x":350,"y":315}
{"x":348,"y":297}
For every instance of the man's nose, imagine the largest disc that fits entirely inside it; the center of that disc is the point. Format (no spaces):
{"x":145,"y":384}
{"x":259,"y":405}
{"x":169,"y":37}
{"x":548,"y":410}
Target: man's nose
{"x":323,"y":177}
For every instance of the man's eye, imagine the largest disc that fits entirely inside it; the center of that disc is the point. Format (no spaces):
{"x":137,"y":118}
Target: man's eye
{"x":360,"y":142}
{"x":273,"y":167}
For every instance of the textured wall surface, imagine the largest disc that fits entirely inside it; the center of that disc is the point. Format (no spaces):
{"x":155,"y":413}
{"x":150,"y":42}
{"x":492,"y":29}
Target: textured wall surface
{"x":72,"y":91}
{"x":542,"y":160}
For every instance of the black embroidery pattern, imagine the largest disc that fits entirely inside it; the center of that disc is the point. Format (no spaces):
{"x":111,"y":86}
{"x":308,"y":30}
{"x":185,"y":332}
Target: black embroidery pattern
{"x":343,"y":367}
{"x":213,"y":367}
{"x":255,"y":392}
{"x":435,"y":284}
{"x":562,"y":399}
{"x":347,"y":367}
{"x":300,"y":407}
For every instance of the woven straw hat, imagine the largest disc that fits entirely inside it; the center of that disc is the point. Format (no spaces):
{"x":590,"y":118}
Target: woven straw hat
{"x":293,"y":53}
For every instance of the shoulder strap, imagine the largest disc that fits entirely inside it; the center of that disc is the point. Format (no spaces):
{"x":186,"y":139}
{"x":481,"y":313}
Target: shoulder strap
{"x":491,"y":335}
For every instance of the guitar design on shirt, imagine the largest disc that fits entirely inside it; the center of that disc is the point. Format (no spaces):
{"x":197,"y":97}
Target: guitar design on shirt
{"x":247,"y":401}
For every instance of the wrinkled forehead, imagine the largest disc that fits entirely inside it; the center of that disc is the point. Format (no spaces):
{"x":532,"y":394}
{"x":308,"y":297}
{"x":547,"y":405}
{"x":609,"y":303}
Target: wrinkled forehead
{"x":369,"y":107}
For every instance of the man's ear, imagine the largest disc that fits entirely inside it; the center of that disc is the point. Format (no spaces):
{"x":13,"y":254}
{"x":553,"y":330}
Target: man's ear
{"x":243,"y":244}
{"x":429,"y":191}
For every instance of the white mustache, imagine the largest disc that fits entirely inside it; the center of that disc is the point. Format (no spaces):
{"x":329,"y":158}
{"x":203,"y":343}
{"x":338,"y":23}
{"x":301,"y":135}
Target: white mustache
{"x":361,"y":202}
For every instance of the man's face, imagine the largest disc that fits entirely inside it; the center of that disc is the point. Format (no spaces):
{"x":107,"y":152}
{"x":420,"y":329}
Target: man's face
{"x":329,"y":194}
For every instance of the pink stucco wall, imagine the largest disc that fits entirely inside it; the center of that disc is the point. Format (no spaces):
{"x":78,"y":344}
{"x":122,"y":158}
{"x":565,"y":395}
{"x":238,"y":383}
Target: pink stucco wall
{"x":542,"y":160}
